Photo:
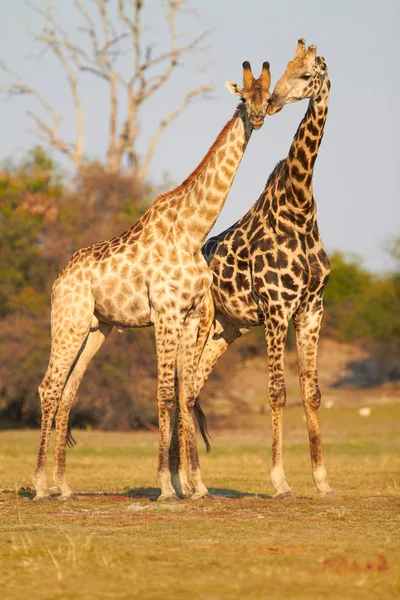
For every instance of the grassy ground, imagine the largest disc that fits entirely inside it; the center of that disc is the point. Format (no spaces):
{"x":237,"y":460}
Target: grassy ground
{"x":117,"y":543}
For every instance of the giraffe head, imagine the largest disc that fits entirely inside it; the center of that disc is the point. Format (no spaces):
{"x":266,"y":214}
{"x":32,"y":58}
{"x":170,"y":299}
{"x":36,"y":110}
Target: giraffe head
{"x":302,"y":78}
{"x":255,"y":93}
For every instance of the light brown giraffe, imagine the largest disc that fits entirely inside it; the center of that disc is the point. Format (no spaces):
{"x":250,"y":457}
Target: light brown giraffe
{"x":271,"y":266}
{"x":153,"y":274}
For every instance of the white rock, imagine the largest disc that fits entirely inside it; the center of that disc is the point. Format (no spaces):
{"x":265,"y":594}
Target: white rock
{"x":365,"y":411}
{"x":328,"y":403}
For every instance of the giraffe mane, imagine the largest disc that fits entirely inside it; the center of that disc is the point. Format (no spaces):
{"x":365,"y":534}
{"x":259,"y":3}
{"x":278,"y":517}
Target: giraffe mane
{"x":201,"y":166}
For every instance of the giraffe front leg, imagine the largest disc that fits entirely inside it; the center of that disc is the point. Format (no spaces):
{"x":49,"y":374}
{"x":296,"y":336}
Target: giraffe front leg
{"x":168,"y":333}
{"x":308,"y":324}
{"x":177,"y":455}
{"x":275,"y":335}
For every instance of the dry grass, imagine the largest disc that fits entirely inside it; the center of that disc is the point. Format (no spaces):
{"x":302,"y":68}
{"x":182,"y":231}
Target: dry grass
{"x":116,"y":543}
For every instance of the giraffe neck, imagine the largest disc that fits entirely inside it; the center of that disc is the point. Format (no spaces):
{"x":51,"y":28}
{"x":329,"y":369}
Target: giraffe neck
{"x":204,"y":192}
{"x":296,"y":172}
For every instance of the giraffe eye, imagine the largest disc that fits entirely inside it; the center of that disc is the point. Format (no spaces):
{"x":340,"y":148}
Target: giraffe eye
{"x":305,"y":77}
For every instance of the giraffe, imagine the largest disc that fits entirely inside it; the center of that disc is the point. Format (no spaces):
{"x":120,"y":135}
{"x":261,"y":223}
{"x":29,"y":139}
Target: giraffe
{"x":271,"y":266}
{"x":152,"y":274}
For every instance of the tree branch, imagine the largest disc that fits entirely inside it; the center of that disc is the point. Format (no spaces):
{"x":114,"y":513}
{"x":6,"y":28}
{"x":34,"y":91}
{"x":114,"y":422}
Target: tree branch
{"x":150,"y":72}
{"x":18,"y":89}
{"x":49,"y":37}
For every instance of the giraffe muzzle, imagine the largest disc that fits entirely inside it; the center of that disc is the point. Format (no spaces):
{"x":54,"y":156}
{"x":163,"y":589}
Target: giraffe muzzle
{"x":274,"y":105}
{"x":256,"y":120}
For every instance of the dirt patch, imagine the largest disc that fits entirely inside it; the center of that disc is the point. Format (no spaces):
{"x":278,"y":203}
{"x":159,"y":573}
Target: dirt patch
{"x":341,"y":565}
{"x":261,"y":550}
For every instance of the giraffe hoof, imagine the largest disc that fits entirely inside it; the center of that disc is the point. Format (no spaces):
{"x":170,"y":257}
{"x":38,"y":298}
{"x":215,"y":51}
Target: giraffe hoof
{"x":68,"y":498}
{"x":202,"y":496}
{"x":186,"y":493}
{"x":168,"y":498}
{"x":43,"y":499}
{"x":284,"y":496}
{"x":327,"y":495}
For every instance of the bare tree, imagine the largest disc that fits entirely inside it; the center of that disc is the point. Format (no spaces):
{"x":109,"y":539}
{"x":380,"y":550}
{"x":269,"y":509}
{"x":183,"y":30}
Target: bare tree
{"x":105,"y":38}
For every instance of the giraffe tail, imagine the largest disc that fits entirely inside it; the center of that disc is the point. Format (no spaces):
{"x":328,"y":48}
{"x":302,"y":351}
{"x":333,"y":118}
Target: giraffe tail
{"x":71,"y":441}
{"x":202,"y":421}
{"x":200,"y":416}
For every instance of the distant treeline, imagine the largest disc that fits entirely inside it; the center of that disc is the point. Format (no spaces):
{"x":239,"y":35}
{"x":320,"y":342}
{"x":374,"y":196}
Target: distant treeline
{"x":44,"y":219}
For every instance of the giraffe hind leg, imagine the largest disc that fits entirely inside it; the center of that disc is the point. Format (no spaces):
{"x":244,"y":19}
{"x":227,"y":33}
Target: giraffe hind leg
{"x":65,"y":348}
{"x":168,"y":330}
{"x":91,"y":345}
{"x":308,"y":323}
{"x":50,"y":392}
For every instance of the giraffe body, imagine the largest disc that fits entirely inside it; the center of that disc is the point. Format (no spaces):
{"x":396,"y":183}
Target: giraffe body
{"x":251,"y":262}
{"x":152,"y":274}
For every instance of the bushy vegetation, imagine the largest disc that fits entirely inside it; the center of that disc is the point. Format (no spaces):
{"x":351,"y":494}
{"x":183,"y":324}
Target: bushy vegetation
{"x":365,"y":307}
{"x":44,"y":219}
{"x":42,"y":222}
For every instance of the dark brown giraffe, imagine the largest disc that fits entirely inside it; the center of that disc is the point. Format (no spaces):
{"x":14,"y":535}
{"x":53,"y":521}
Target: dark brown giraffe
{"x":154,"y":273}
{"x":271,"y":266}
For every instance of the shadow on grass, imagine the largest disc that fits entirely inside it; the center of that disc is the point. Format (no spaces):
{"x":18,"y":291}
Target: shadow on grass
{"x":153,"y":493}
{"x":150,"y":493}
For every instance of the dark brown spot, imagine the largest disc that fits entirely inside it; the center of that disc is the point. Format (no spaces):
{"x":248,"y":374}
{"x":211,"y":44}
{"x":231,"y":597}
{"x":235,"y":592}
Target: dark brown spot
{"x":265,"y":244}
{"x":273,"y":294}
{"x":288,"y":283}
{"x":295,"y":173}
{"x":222,"y":250}
{"x":286,"y":296}
{"x":271,"y":277}
{"x":238,"y":240}
{"x":281,"y":260}
{"x":324,"y":258}
{"x":227,"y":272}
{"x":258,"y":264}
{"x":311,"y":144}
{"x":271,"y":260}
{"x":302,"y":158}
{"x":244,"y":253}
{"x":296,"y":268}
{"x":301,"y":198}
{"x":242,"y":283}
{"x":313,"y":129}
{"x":227,"y":286}
{"x":292,"y":244}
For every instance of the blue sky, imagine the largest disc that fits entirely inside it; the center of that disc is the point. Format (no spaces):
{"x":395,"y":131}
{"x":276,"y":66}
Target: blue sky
{"x":355,"y":180}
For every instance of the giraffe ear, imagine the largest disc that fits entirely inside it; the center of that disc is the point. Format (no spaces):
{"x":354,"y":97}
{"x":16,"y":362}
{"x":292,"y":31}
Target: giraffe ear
{"x":234,"y":88}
